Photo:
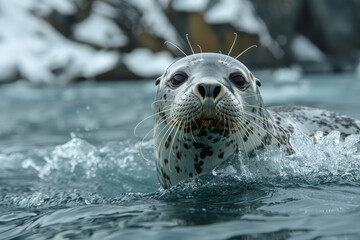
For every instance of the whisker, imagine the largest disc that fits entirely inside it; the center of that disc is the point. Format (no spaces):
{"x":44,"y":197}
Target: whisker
{"x":166,"y":136}
{"x":218,"y":123}
{"x":161,"y":100}
{"x":243,"y":52}
{"x":152,"y":115}
{"x":168,"y":42}
{"x":224,"y":126}
{"x":232,"y":46}
{"x":187,"y":139}
{"x":192,"y":134}
{"x":194,"y":121}
{"x":220,"y":56}
{"x":141,"y":152}
{"x":170,"y":119}
{"x":171,"y":147}
{"x":254,"y":95}
{"x":142,"y":141}
{"x":250,"y":138}
{"x":192,"y":50}
{"x":242,"y":142}
{"x":201,"y":52}
{"x":168,"y":126}
{"x":242,"y":120}
{"x":270,"y":121}
{"x":267,"y":131}
{"x":179,"y":139}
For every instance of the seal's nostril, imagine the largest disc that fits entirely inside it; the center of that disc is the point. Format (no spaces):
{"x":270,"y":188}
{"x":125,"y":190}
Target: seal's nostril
{"x":209,"y":90}
{"x":217,"y":90}
{"x":202,"y":91}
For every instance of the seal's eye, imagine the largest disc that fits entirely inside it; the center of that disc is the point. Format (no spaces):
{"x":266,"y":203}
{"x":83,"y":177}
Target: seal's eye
{"x":178,"y":79}
{"x":238,"y":79}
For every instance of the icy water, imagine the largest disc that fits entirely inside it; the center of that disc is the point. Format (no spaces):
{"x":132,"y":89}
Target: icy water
{"x":70,"y":168}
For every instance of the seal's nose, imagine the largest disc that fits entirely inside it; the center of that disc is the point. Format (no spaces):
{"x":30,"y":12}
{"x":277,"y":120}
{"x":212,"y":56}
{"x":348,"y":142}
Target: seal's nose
{"x":208,"y":90}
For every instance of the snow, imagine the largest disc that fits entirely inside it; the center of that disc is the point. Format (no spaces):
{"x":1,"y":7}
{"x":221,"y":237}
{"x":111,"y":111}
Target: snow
{"x":147,"y":64}
{"x":190,"y":5}
{"x":242,"y":15}
{"x":44,"y":7}
{"x":100,"y":31}
{"x":42,"y":55}
{"x":155,"y":20}
{"x":105,"y":9}
{"x":304,"y":50}
{"x":66,"y":7}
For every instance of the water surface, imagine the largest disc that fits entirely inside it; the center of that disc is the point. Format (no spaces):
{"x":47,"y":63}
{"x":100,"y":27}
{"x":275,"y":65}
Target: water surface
{"x":70,"y":168}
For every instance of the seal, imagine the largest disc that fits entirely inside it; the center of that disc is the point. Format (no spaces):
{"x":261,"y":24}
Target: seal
{"x":208,"y":107}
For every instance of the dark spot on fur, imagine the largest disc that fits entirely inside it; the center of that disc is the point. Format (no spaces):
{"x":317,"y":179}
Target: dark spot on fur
{"x":202,"y":133}
{"x":206,"y":151}
{"x":198,"y":166}
{"x":215,"y":140}
{"x":177,"y":169}
{"x":198,"y":145}
{"x":221,"y":155}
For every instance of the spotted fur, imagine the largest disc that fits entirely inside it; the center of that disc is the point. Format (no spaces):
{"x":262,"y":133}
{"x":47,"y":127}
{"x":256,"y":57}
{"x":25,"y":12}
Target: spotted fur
{"x":188,"y":143}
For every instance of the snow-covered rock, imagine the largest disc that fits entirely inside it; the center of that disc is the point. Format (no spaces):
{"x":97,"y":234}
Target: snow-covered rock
{"x":147,"y":64}
{"x":31,"y":47}
{"x":100,"y":31}
{"x":304,"y":50}
{"x":242,"y":15}
{"x":154,"y":18}
{"x":190,"y":5}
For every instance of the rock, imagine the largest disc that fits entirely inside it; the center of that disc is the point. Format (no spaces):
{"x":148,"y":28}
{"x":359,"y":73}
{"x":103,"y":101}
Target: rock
{"x":66,"y":40}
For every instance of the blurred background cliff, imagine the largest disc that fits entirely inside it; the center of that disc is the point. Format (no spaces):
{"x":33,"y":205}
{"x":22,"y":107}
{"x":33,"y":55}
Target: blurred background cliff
{"x":63,"y":41}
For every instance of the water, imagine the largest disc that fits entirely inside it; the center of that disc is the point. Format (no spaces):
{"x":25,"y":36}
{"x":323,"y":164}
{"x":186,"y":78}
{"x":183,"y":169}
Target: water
{"x":70,"y":168}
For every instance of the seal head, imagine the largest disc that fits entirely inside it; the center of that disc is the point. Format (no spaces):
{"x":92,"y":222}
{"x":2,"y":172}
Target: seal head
{"x":208,"y":108}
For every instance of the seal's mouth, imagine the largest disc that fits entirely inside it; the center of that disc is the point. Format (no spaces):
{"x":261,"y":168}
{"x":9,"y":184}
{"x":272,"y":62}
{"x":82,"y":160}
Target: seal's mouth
{"x":210,"y":122}
{"x":207,"y":122}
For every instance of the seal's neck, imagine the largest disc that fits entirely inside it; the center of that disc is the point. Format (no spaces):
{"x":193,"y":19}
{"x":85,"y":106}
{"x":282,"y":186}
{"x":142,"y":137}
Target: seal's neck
{"x":186,"y":152}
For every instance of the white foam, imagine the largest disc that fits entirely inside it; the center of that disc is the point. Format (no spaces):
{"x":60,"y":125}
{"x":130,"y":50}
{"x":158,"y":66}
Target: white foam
{"x":116,"y":163}
{"x":321,"y":159}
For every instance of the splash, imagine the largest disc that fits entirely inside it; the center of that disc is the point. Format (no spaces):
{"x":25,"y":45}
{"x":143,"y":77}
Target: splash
{"x":317,"y":160}
{"x":116,"y":165}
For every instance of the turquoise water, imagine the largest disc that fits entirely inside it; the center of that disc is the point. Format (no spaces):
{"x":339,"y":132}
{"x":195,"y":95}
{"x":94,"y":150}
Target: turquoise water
{"x":70,"y":168}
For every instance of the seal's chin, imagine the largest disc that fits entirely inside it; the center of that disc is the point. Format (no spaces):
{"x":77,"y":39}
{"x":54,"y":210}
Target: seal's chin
{"x":209,"y":122}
